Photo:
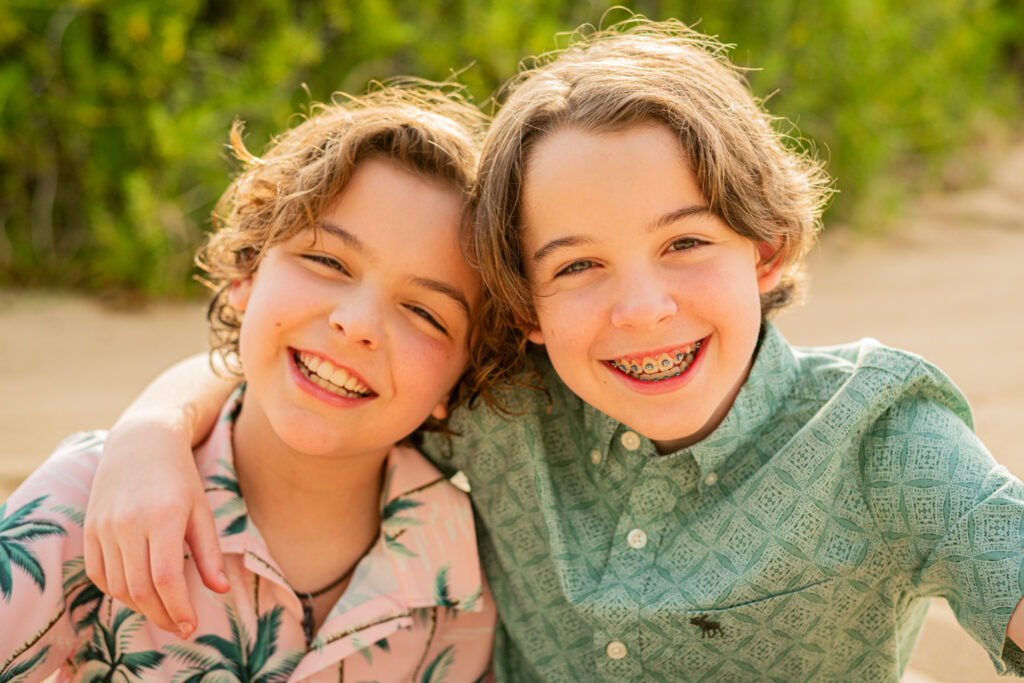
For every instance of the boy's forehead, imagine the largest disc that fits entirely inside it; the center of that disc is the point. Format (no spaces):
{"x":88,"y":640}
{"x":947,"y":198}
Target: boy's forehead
{"x":581,"y":170}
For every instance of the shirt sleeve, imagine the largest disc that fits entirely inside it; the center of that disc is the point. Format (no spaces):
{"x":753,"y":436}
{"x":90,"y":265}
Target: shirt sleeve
{"x":46,"y":600}
{"x":952,"y":516}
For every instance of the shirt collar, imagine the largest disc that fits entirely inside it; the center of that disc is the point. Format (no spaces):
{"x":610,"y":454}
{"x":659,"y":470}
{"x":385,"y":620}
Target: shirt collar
{"x":426,"y":523}
{"x":771,"y":377}
{"x":427,"y":527}
{"x":216,"y":462}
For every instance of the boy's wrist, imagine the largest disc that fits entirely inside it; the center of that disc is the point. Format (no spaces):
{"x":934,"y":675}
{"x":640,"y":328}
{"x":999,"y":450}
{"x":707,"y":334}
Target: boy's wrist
{"x":174,"y":426}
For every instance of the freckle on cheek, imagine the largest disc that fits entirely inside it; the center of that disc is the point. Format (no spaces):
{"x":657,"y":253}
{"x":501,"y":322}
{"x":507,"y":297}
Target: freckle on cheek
{"x":277,"y":324}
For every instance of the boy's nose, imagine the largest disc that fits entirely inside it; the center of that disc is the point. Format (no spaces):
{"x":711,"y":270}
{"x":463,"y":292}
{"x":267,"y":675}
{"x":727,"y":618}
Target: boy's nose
{"x":643,"y":303}
{"x":358,"y":319}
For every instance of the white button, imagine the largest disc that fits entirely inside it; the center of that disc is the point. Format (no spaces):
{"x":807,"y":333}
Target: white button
{"x":460,"y":481}
{"x":595,"y":456}
{"x":616,"y":650}
{"x":631,"y":441}
{"x":636,"y":538}
{"x":711,"y":479}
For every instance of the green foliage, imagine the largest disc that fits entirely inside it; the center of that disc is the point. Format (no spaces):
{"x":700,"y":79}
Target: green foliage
{"x":114,"y":115}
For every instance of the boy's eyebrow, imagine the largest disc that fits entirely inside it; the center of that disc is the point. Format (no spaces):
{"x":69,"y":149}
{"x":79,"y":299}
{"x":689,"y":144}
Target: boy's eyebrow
{"x":344,"y":235}
{"x":660,"y":222}
{"x":571,"y":241}
{"x":445,"y":289}
{"x":677,"y":215}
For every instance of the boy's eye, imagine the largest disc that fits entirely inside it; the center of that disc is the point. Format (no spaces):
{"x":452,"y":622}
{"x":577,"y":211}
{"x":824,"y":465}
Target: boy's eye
{"x":684,"y":244}
{"x":428,"y":316}
{"x":575,"y":267}
{"x":329,"y":261}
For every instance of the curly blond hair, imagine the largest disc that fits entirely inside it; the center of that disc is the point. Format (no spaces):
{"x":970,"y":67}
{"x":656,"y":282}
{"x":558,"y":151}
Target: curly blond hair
{"x":752,"y":175}
{"x":427,"y":128}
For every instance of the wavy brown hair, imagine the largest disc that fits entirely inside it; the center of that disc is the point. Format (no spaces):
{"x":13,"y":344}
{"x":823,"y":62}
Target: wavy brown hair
{"x":753,"y":176}
{"x":428,"y":129}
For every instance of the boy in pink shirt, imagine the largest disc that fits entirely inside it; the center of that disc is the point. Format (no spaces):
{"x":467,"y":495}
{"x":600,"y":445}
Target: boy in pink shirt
{"x":348,"y":314}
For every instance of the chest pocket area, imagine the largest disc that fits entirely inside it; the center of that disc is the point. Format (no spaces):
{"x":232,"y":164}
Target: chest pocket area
{"x":781,"y":637}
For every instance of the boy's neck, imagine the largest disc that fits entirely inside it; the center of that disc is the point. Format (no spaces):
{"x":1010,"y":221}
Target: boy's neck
{"x":317,"y":513}
{"x":664,"y":447}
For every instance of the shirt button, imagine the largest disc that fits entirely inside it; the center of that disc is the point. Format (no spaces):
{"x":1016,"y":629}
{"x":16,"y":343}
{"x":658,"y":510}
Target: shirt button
{"x":631,"y":441}
{"x":615,"y":650}
{"x":711,"y":479}
{"x":636,"y":538}
{"x":595,"y":456}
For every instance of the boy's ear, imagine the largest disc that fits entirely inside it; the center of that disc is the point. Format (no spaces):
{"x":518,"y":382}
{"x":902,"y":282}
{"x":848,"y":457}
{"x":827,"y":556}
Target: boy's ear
{"x":531,"y":328}
{"x":440,"y":411}
{"x":238,"y":294}
{"x":770,"y":258}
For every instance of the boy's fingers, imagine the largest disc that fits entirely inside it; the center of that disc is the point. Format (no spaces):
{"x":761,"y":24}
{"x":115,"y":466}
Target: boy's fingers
{"x":166,"y":563}
{"x":140,"y":588}
{"x":203,"y":541}
{"x":94,"y":567}
{"x":113,"y":569}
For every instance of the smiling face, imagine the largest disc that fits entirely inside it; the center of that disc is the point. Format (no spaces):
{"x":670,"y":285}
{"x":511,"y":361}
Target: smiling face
{"x":351,"y":340}
{"x":648,"y":304}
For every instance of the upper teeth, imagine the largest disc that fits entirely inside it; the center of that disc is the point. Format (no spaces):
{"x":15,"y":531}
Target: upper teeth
{"x":663,"y":366}
{"x":326,"y":371}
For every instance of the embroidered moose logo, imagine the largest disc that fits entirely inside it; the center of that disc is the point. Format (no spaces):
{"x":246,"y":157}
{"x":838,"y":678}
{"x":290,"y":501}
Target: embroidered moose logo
{"x":708,"y":628}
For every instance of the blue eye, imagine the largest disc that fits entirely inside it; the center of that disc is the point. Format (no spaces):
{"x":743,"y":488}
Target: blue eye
{"x":575,"y":267}
{"x":330,"y":262}
{"x":426,"y":315}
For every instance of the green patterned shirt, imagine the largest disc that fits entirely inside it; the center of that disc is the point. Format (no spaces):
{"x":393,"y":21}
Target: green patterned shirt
{"x":801,"y":540}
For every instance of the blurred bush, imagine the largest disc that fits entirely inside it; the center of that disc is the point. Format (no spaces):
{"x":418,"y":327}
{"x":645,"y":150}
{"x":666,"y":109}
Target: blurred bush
{"x":114,"y":115}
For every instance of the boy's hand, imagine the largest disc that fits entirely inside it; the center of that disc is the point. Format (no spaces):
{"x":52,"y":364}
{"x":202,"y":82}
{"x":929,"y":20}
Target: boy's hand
{"x":147,"y":498}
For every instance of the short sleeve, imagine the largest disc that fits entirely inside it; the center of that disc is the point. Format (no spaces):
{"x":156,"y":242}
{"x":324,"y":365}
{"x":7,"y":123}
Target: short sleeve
{"x":952,"y":516}
{"x":45,"y":598}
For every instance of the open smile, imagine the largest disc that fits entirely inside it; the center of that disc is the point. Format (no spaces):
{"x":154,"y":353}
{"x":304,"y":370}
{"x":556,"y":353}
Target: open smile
{"x":655,"y":368}
{"x":329,"y":377}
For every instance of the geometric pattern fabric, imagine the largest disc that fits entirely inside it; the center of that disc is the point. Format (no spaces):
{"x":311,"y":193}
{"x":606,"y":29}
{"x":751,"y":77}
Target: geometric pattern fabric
{"x":799,"y":541}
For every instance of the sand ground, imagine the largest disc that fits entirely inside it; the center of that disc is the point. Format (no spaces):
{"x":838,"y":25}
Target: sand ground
{"x":947,"y":283}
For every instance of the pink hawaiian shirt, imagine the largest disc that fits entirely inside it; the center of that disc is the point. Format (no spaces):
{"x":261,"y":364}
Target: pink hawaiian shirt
{"x":416,"y":609}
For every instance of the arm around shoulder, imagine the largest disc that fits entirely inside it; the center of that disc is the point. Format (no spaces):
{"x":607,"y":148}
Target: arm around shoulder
{"x":148,"y":498}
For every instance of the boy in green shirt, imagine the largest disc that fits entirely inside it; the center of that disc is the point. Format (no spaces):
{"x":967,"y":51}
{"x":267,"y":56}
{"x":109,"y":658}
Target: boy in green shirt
{"x":691,"y":498}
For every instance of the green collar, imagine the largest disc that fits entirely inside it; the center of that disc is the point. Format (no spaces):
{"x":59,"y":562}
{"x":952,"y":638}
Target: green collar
{"x":771,"y":378}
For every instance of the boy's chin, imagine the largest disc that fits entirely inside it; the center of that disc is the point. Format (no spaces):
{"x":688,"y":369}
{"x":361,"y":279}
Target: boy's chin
{"x":671,"y":435}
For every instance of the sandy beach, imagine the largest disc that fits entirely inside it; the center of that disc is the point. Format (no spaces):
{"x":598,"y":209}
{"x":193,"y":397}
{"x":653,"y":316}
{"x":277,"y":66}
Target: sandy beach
{"x":946,"y":283}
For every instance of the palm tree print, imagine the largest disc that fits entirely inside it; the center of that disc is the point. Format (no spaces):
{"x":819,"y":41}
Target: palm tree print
{"x":86,"y":603}
{"x":442,"y":594}
{"x":437,"y":670}
{"x":106,"y":658}
{"x":235,"y":505}
{"x":243,"y":658}
{"x":393,"y":524}
{"x":14,"y":672}
{"x":444,"y":599}
{"x":16,"y":532}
